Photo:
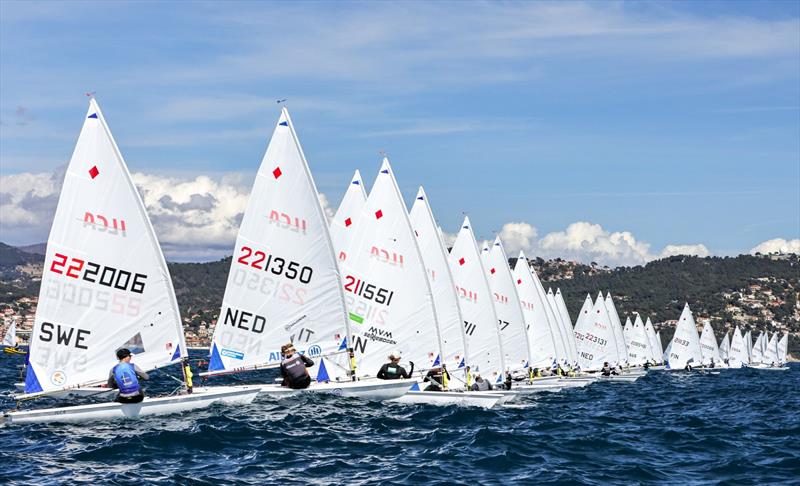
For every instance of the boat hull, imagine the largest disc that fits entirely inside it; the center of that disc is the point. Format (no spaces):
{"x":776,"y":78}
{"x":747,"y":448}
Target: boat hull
{"x":624,"y":378}
{"x":466,"y":399}
{"x":149,"y":407}
{"x":82,"y":392}
{"x":375,"y":390}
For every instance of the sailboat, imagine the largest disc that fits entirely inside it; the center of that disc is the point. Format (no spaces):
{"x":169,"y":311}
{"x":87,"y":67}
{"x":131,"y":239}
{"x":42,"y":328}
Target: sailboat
{"x":105,"y":286}
{"x":737,"y":355}
{"x":540,"y":333}
{"x":284,"y":285}
{"x":618,"y":338}
{"x":684,"y":349}
{"x":448,"y":317}
{"x":709,"y":348}
{"x":783,"y":349}
{"x":757,"y":352}
{"x":594,"y":337}
{"x":484,"y":347}
{"x":639,"y":350}
{"x":10,"y":339}
{"x":569,"y":332}
{"x":771,"y":359}
{"x":655,"y":344}
{"x":566,"y":337}
{"x":725,"y":347}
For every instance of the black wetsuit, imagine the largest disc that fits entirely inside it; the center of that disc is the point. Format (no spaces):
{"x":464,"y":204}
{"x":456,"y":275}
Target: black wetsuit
{"x":391,"y":371}
{"x":293,"y":375}
{"x":435,"y":378}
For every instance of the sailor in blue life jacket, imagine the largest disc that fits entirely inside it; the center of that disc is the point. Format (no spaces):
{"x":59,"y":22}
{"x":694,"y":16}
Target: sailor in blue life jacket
{"x":392,"y":370}
{"x":125,"y":376}
{"x":293,"y":368}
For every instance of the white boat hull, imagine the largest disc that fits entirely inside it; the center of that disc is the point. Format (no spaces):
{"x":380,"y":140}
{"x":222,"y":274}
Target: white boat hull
{"x":769,"y":368}
{"x":486,"y":399}
{"x":624,"y":378}
{"x":82,"y":392}
{"x":201,"y":398}
{"x":376,"y":390}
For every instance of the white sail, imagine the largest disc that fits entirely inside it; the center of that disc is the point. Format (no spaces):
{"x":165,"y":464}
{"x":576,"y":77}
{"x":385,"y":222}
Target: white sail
{"x":594,"y":337}
{"x":475,"y":299}
{"x":655,"y":345}
{"x":349,"y":209}
{"x":639,"y":352}
{"x":616,"y":325}
{"x":685,"y":344}
{"x":283,"y":284}
{"x":389,"y":300}
{"x":748,"y":341}
{"x":737,"y":356}
{"x":105,"y":284}
{"x":434,"y":254}
{"x":708,"y":345}
{"x":569,"y":331}
{"x":511,"y":322}
{"x":562,"y":350}
{"x":560,"y":326}
{"x":725,"y":346}
{"x":771,"y":352}
{"x":757,"y":353}
{"x":584,"y":314}
{"x":783,"y":348}
{"x":627,"y":329}
{"x":665,"y":354}
{"x":10,"y":338}
{"x":540,"y":336}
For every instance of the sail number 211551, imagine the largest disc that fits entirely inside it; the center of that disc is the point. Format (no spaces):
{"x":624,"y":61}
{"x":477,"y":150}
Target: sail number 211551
{"x":368,"y":291}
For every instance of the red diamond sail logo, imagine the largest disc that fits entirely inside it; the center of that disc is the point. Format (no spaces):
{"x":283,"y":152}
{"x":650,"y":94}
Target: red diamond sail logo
{"x":348,"y":222}
{"x":94,"y":172}
{"x":519,"y":281}
{"x":461,"y":261}
{"x":277,"y":172}
{"x":378,"y":214}
{"x":492,"y":271}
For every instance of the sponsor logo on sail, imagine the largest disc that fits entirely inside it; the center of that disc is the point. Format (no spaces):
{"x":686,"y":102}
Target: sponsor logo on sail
{"x":229,"y":353}
{"x":58,"y":378}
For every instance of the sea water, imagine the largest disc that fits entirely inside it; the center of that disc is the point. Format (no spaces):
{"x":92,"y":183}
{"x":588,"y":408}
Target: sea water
{"x":737,"y":426}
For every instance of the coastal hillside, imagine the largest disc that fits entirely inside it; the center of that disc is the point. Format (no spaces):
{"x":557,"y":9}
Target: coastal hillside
{"x":755,"y":292}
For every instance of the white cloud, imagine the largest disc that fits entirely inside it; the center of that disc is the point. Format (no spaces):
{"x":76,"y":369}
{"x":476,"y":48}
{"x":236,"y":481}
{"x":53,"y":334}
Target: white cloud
{"x":587,"y":242}
{"x":195,"y":219}
{"x":694,"y":250}
{"x":516,"y":237}
{"x":777,"y":245}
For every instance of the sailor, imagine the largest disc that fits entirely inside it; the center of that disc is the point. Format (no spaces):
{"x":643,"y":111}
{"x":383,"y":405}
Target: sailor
{"x":508,"y":380}
{"x":712,"y":365}
{"x":392,"y":370}
{"x":607,"y":370}
{"x":468,"y":376}
{"x":125,"y":376}
{"x":480,"y":384}
{"x":437,"y":377}
{"x":646,"y":365}
{"x":293,"y":368}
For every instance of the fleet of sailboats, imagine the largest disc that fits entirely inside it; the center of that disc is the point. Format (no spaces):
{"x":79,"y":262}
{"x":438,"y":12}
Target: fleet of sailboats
{"x":374,"y":280}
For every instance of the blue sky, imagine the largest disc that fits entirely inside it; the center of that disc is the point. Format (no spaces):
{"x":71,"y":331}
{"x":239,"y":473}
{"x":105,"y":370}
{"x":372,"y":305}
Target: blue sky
{"x":651,"y":124}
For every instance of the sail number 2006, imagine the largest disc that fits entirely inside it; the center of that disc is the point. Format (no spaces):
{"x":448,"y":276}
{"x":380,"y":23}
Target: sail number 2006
{"x":274,"y":264}
{"x":96,"y":273}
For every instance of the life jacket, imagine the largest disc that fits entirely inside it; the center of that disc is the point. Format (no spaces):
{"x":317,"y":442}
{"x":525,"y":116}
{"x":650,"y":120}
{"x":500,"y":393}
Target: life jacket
{"x":445,"y":380}
{"x":483,"y":385}
{"x":295,"y":369}
{"x":125,"y":376}
{"x":469,"y":380}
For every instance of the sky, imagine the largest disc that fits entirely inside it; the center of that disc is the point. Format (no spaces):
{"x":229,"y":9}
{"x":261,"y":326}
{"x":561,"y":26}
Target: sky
{"x":615,"y":132}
